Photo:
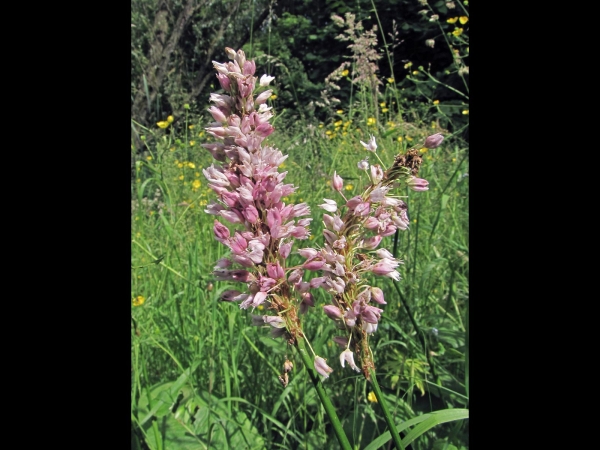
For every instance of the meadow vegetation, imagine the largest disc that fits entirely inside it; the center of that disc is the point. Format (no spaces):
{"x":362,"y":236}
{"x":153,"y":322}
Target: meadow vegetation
{"x":202,"y":375}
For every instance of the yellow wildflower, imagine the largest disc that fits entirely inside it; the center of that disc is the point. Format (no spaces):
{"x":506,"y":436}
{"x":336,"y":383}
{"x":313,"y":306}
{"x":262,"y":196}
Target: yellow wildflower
{"x":197,"y":174}
{"x":172,"y":149}
{"x":390,"y":80}
{"x":384,"y":110}
{"x":201,"y":134}
{"x":196,"y":184}
{"x":371,"y":121}
{"x":329,"y":132}
{"x":452,"y":20}
{"x":273,"y":96}
{"x":382,"y":104}
{"x":191,"y":127}
{"x":191,"y":165}
{"x":340,"y":111}
{"x":180,"y":177}
{"x":371,"y":397}
{"x":415,"y":72}
{"x":149,"y":157}
{"x":436,"y":102}
{"x":423,"y":150}
{"x":408,"y":138}
{"x":192,"y":143}
{"x":457,"y":32}
{"x":463,"y":19}
{"x":399,"y":138}
{"x":349,"y":187}
{"x":170,"y":119}
{"x":345,"y":72}
{"x":162,"y":124}
{"x":139,"y":300}
{"x":180,"y":165}
{"x":338,"y":123}
{"x":466,"y":112}
{"x":407,"y":65}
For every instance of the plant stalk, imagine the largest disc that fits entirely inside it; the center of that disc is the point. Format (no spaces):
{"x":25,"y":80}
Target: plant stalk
{"x":386,"y":412}
{"x":329,"y":410}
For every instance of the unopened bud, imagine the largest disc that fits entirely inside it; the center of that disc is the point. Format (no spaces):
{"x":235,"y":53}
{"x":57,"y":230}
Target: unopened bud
{"x":430,"y":43}
{"x":434,"y":140}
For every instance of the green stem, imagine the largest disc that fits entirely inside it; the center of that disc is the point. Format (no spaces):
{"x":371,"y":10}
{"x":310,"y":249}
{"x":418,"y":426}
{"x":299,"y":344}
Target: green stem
{"x":386,"y":413}
{"x":329,"y":410}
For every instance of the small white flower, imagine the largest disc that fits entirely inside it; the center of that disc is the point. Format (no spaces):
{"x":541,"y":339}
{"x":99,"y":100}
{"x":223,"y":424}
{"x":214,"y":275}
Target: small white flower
{"x":363,"y":165}
{"x":348,"y":356}
{"x":265,"y":80}
{"x":371,"y":146}
{"x":329,"y":205}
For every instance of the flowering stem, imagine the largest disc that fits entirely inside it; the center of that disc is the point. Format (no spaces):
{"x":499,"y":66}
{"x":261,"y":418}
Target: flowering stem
{"x":386,"y":413}
{"x":333,"y":418}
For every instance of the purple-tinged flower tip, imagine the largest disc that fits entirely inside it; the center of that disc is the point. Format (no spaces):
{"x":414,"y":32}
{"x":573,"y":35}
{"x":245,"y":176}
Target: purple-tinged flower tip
{"x":308,"y":252}
{"x":348,"y":356}
{"x":342,"y":341}
{"x":333,"y":312}
{"x":338,"y":182}
{"x":265,"y":80}
{"x":275,"y":321}
{"x":418,"y":184}
{"x":231,"y":295}
{"x":314,"y":264}
{"x":372,"y":242}
{"x":263,"y":97}
{"x":371,"y":145}
{"x":295,"y":276}
{"x":384,"y":253}
{"x":376,"y":173}
{"x":321,"y":367}
{"x":307,"y":301}
{"x":285,"y":249}
{"x":377,"y":295}
{"x":434,"y":140}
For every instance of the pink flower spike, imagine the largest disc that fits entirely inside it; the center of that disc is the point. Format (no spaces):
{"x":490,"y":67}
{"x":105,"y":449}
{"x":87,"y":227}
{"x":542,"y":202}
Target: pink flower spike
{"x":417,"y":184}
{"x":434,"y":140}
{"x":348,"y":356}
{"x":338,"y":182}
{"x":371,"y":145}
{"x":321,"y":367}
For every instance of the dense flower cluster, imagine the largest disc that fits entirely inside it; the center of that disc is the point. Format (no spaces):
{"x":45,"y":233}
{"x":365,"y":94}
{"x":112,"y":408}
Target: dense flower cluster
{"x":250,"y":191}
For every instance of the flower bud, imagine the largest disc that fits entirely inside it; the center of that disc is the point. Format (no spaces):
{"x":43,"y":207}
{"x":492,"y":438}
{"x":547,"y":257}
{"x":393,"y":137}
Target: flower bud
{"x":430,"y":43}
{"x":338,"y":182}
{"x":321,"y":367}
{"x":417,"y":184}
{"x":434,"y":140}
{"x":333,"y":312}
